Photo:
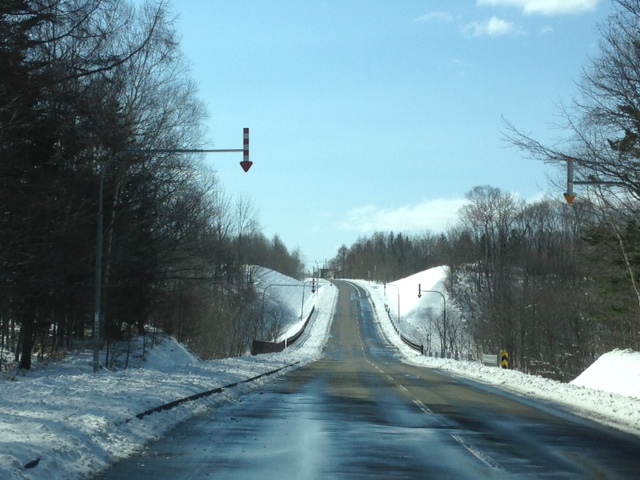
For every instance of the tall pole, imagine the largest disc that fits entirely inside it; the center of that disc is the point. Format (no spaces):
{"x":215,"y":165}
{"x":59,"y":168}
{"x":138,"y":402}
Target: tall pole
{"x":98,"y":294}
{"x":444,"y":316}
{"x":264,"y":292}
{"x":245,"y":164}
{"x":398,"y":289}
{"x":302,"y":306}
{"x":569,"y":195}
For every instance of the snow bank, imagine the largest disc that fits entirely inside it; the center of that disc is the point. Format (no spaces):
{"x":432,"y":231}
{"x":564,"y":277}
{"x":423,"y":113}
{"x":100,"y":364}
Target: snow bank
{"x":73,"y":423}
{"x":616,"y":372}
{"x":608,"y":391}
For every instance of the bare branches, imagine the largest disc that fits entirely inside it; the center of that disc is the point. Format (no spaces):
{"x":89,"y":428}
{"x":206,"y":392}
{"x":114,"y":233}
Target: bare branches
{"x":603,"y":125}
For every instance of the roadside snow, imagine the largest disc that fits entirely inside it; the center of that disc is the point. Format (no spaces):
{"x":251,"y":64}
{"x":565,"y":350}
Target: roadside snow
{"x":77,"y":423}
{"x":608,"y":391}
{"x":615,"y":372}
{"x":73,"y":423}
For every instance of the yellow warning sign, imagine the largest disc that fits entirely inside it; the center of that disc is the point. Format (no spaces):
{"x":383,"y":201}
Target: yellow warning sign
{"x":504,"y":363}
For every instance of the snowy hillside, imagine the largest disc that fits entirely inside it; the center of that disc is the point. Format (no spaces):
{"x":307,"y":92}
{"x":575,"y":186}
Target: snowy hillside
{"x":285,"y":302}
{"x":421,"y":317}
{"x":608,"y":391}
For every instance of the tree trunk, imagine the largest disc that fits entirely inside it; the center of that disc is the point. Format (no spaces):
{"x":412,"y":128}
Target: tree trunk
{"x":27,"y":332}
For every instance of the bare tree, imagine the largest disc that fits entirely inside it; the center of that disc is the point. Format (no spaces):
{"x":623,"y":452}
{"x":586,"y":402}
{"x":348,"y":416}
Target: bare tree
{"x":603,"y":125}
{"x":603,"y":135}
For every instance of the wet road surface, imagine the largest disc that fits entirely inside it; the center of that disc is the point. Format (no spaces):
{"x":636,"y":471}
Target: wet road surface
{"x":361,"y":413}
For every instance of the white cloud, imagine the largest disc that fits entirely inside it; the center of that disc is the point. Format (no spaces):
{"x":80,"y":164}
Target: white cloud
{"x":546,"y":29}
{"x":461,"y":65}
{"x":434,"y":16}
{"x":546,"y":7}
{"x":494,"y":27}
{"x":435,"y":215}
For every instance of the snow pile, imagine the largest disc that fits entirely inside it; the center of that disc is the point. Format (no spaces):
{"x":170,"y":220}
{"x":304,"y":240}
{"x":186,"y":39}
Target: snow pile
{"x":171,"y":354}
{"x":615,"y":372}
{"x":432,"y":279}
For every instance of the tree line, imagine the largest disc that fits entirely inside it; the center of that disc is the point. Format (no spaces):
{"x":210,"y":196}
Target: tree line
{"x":386,"y":256}
{"x":81,"y":82}
{"x":554,"y":284}
{"x":548,"y":282}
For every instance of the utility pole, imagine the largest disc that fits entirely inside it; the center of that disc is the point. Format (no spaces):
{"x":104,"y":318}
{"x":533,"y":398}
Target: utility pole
{"x":444,"y":317}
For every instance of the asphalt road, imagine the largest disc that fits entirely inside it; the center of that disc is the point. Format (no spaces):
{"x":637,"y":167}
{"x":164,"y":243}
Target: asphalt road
{"x":360,"y":412}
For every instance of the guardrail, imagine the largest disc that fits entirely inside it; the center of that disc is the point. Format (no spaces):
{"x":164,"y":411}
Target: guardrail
{"x":415,"y":346}
{"x":410,"y":343}
{"x":197,"y":396}
{"x":260,"y":346}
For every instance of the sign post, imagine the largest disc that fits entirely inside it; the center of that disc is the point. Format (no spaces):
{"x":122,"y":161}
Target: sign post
{"x":504,"y":359}
{"x":245,"y":164}
{"x":569,"y":195}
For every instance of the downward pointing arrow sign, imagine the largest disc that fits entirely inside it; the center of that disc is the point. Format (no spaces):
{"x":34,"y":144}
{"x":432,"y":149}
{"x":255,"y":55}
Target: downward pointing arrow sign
{"x":246,"y":165}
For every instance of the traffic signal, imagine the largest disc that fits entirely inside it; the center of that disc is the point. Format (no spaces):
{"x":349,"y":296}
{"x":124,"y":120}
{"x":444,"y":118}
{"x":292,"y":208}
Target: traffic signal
{"x":245,"y":163}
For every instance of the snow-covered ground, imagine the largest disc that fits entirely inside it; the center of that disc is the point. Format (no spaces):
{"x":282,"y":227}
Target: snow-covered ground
{"x":76,"y":422}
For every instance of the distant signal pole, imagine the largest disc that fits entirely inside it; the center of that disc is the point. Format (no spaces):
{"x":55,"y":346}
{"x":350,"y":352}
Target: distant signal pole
{"x":245,"y":164}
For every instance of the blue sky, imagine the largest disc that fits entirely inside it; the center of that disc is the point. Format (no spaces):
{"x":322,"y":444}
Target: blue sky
{"x":380,"y":115}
